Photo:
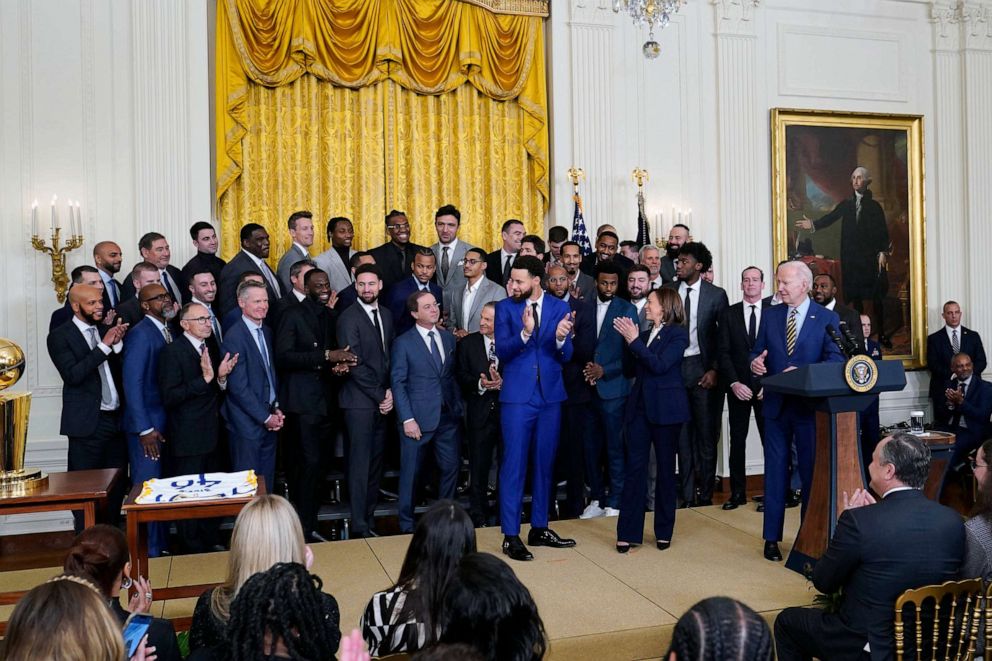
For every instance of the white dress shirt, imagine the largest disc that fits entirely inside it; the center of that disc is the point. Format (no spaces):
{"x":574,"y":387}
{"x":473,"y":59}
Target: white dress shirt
{"x":693,"y":348}
{"x":299,"y":295}
{"x":601,"y":309}
{"x":948,"y":329}
{"x":115,"y":400}
{"x":757,"y":315}
{"x":368,"y":312}
{"x":803,"y":309}
{"x":468,"y":300}
{"x":540,"y":318}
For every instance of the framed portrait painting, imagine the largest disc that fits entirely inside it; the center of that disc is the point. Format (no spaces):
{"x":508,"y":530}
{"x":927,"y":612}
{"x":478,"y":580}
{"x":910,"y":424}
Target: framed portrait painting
{"x":847,"y":197}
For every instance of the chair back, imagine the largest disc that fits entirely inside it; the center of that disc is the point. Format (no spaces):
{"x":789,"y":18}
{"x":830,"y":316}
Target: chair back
{"x":940,"y":621}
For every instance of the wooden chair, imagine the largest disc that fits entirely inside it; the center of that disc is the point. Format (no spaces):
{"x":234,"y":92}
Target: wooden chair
{"x":944,"y":620}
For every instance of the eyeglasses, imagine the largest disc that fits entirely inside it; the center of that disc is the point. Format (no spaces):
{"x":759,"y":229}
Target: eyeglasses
{"x":404,"y":226}
{"x":160,"y":297}
{"x":974,"y":464}
{"x":199,"y":320}
{"x":472,"y":262}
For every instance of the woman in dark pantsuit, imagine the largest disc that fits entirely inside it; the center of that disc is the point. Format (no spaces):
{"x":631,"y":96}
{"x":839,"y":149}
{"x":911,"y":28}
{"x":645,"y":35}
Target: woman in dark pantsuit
{"x":656,"y":409}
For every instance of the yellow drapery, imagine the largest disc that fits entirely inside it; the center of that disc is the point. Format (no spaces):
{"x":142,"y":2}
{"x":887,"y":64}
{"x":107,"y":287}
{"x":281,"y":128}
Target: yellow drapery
{"x":351,"y":107}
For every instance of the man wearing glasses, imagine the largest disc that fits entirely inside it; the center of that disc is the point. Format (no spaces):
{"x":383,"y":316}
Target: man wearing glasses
{"x":395,"y":257}
{"x":466,"y":305}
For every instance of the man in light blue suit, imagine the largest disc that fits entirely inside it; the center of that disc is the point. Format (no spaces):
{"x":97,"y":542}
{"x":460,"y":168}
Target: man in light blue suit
{"x":428,"y":403}
{"x":533,"y":341}
{"x":144,"y":415}
{"x":792,"y":335}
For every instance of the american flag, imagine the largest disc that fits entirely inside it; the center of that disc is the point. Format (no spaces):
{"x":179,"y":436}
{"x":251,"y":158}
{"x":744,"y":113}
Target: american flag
{"x":643,"y":233}
{"x":579,"y":234}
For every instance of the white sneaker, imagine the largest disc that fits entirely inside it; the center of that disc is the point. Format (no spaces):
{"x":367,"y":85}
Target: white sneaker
{"x":592,"y":511}
{"x":609,"y":511}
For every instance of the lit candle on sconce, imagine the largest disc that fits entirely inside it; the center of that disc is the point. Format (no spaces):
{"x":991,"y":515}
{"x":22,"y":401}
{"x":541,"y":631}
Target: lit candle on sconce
{"x":688,"y":218}
{"x":55,"y":222}
{"x":34,"y":218}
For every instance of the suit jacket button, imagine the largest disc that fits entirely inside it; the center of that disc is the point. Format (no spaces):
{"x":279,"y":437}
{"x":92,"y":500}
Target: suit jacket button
{"x":314,"y":345}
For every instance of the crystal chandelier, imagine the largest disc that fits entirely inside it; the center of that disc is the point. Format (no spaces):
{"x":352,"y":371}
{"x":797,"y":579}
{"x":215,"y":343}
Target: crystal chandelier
{"x":650,"y":13}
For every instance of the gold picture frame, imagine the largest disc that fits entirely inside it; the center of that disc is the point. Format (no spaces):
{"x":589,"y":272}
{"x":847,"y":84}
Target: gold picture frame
{"x":814,"y":156}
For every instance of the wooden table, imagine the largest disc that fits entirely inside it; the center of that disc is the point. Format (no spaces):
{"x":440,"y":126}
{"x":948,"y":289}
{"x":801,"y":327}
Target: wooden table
{"x":182,"y":510}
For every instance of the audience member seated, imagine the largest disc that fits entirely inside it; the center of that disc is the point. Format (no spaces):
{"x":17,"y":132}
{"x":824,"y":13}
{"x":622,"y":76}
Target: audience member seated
{"x":100,"y":555}
{"x":878,"y":551}
{"x":488,"y":607}
{"x":280,"y":613}
{"x":404,"y":618}
{"x":721,"y":628}
{"x":67,"y":619}
{"x":266,"y":532}
{"x":978,"y":529}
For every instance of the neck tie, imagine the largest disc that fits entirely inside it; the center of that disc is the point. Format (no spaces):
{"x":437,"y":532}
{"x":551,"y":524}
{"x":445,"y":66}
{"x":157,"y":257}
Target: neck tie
{"x":106,"y":398}
{"x":537,"y":319}
{"x":271,"y":280}
{"x":203,"y":347}
{"x":378,"y":328}
{"x":112,"y":293}
{"x":492,"y":352}
{"x":955,"y":342}
{"x":167,"y":334}
{"x":506,"y":269}
{"x":435,"y":352}
{"x":167,"y":282}
{"x":790,"y":331}
{"x":688,"y":307}
{"x":445,"y":264}
{"x":264,"y":350}
{"x":653,"y":285}
{"x":215,"y":326}
{"x":752,"y":328}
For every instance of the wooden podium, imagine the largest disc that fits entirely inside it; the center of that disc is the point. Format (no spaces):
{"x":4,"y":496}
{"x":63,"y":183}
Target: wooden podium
{"x":838,"y":467}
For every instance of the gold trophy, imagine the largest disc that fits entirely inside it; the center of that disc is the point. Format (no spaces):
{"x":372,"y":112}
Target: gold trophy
{"x":15,"y":407}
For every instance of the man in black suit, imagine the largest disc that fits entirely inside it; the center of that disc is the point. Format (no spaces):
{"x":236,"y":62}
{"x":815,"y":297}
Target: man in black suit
{"x":423,"y":268}
{"x":738,"y":332}
{"x":205,"y":260}
{"x":203,"y":290}
{"x":824,"y":292}
{"x":478,"y":373}
{"x":557,"y":235}
{"x":966,"y":408}
{"x":705,"y":304}
{"x":395,"y":257}
{"x":348,"y":295}
{"x":678,"y":236}
{"x":878,"y":551}
{"x":307,"y":354}
{"x":87,"y":356}
{"x":81,"y":275}
{"x":606,"y":248}
{"x":154,"y":249}
{"x":952,"y":339}
{"x":365,"y":397}
{"x":107,"y":257}
{"x":142,"y":275}
{"x":298,"y":291}
{"x":580,"y":285}
{"x":254,"y":252}
{"x":191,"y":382}
{"x":498,"y":262}
{"x":650,"y":257}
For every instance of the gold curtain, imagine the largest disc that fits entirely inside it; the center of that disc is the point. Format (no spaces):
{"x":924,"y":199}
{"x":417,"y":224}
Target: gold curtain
{"x":352,"y":107}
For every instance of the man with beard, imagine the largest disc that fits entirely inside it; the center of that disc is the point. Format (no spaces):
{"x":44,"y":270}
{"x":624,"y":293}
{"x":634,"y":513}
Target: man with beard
{"x":421,"y":279}
{"x":142,"y":275}
{"x":107,"y":257}
{"x":557,"y":235}
{"x":205,"y":241}
{"x":87,"y":356}
{"x":254,"y":252}
{"x":144,"y":413}
{"x":348,"y":295}
{"x":336,"y":260}
{"x":365,"y":397}
{"x":81,"y":275}
{"x":307,"y":355}
{"x":466,"y":304}
{"x":677,"y":237}
{"x":607,"y":244}
{"x":204,"y":290}
{"x":580,"y":285}
{"x":450,"y":253}
{"x":533,"y":341}
{"x":395,"y":257}
{"x":639,"y":286}
{"x":824,"y":293}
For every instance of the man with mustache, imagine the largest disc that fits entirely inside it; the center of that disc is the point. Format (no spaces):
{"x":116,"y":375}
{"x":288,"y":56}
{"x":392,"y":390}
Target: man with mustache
{"x":395,"y":257}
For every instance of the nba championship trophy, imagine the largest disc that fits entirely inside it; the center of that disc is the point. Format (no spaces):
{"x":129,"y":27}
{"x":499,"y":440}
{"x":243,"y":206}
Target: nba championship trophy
{"x":14,"y":410}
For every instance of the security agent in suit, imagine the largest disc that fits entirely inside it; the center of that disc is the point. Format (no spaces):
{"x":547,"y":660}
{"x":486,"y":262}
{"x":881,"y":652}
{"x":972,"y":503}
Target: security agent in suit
{"x":87,"y":357}
{"x":450,"y":252}
{"x":478,"y":372}
{"x":533,"y":341}
{"x":967,"y":407}
{"x":205,"y":242}
{"x":154,"y":249}
{"x":191,"y":382}
{"x":81,"y":275}
{"x":499,"y":262}
{"x":953,"y":338}
{"x":395,"y":257}
{"x":107,"y":257}
{"x":704,"y":306}
{"x":300,"y":225}
{"x":611,"y":386}
{"x":738,"y":333}
{"x":144,"y":411}
{"x":423,"y":268}
{"x":251,"y":408}
{"x":365,"y":397}
{"x":791,"y":335}
{"x":254,"y":252}
{"x":311,"y":366}
{"x":869,"y":418}
{"x":824,"y":293}
{"x":580,"y":285}
{"x":878,"y":551}
{"x":464,"y":306}
{"x":336,"y":260}
{"x":428,"y":404}
{"x":142,"y":275}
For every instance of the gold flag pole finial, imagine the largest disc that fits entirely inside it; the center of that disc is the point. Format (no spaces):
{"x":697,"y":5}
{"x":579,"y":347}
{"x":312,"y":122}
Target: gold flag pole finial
{"x":575,"y":175}
{"x":640,"y":176}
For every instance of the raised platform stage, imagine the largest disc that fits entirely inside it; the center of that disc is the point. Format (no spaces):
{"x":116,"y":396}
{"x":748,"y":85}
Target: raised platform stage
{"x":596,"y":603}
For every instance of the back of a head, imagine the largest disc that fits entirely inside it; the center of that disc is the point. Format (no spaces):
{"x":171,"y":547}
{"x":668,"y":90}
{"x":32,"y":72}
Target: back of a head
{"x":721,"y":629}
{"x":487,"y":607}
{"x":98,"y":554}
{"x":64,"y":619}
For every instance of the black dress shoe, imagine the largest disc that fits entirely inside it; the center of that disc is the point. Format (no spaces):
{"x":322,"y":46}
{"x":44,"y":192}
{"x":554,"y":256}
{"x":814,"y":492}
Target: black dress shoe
{"x":681,"y":505}
{"x":735,"y":502}
{"x":794,"y":499}
{"x":760,"y":507}
{"x":663,"y":546}
{"x":772,"y":553}
{"x":623,"y":548}
{"x":548,"y":537}
{"x":514,"y":547}
{"x":730,"y":505}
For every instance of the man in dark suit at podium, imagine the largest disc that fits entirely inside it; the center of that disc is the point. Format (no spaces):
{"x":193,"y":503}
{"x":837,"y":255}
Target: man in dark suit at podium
{"x":792,"y":335}
{"x":952,"y":339}
{"x":966,"y":406}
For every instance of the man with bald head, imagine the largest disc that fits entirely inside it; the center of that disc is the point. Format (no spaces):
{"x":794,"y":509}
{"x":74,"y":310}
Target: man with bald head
{"x":87,"y":355}
{"x":107,"y":257}
{"x":81,"y":275}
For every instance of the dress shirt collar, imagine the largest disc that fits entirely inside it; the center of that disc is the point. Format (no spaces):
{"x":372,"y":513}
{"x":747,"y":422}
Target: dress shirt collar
{"x":831,"y":305}
{"x":471,"y":288}
{"x":539,"y":300}
{"x":299,"y":295}
{"x":449,"y":246}
{"x":895,"y":489}
{"x":640,"y":303}
{"x":252,"y":326}
{"x":503,"y":255}
{"x":302,"y":249}
{"x":195,"y":341}
{"x":84,"y":328}
{"x":419,"y":285}
{"x":106,"y":277}
{"x":199,"y":302}
{"x":257,"y":260}
{"x":959,"y":329}
{"x":657,"y":282}
{"x":696,"y":287}
{"x":368,"y":308}
{"x":601,"y":303}
{"x":158,"y":324}
{"x":424,"y":331}
{"x":803,"y":308}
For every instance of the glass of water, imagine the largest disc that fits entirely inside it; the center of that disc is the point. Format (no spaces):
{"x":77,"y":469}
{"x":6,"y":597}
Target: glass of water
{"x":916,"y":422}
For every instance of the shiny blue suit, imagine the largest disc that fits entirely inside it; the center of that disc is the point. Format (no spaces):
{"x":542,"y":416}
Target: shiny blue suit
{"x":530,"y":406}
{"x":788,"y":417}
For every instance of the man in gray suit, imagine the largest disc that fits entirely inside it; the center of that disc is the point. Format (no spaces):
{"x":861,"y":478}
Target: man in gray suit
{"x":335,"y":260}
{"x":580,"y":285}
{"x":465,"y":305}
{"x":450,"y":251}
{"x":301,"y":231}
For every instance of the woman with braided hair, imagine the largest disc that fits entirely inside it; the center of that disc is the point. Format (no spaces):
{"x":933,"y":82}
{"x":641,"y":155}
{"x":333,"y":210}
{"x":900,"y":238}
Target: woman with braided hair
{"x":721,"y":629}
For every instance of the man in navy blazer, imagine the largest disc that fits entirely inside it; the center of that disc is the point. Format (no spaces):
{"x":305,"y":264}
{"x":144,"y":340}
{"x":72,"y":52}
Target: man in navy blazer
{"x":428,"y":404}
{"x":942,"y":345}
{"x":790,"y":418}
{"x":251,"y":409}
{"x":423,"y":267}
{"x":144,"y":413}
{"x":533,"y":341}
{"x":967,"y":407}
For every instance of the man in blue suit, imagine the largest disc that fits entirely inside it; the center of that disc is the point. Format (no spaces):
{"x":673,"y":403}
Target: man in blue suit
{"x":144,"y":414}
{"x":428,"y":403}
{"x":423,"y":267}
{"x":791,"y":335}
{"x":610,"y":389}
{"x":250,"y":408}
{"x":533,"y":341}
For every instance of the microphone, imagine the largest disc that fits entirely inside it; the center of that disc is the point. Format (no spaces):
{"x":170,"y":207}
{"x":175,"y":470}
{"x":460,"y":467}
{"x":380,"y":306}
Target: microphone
{"x":835,"y":336}
{"x":849,"y":336}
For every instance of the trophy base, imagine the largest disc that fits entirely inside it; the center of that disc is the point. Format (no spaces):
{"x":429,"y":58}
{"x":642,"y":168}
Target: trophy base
{"x":21,"y":482}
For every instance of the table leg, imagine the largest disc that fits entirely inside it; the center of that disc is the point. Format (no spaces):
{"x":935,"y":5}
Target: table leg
{"x":138,"y":545}
{"x":89,"y":514}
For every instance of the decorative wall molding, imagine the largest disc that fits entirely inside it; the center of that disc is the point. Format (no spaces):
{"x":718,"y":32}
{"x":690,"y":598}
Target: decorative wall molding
{"x":976,"y":19}
{"x":592,"y":12}
{"x":961,"y":24}
{"x":735,"y":16}
{"x":946,"y":20}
